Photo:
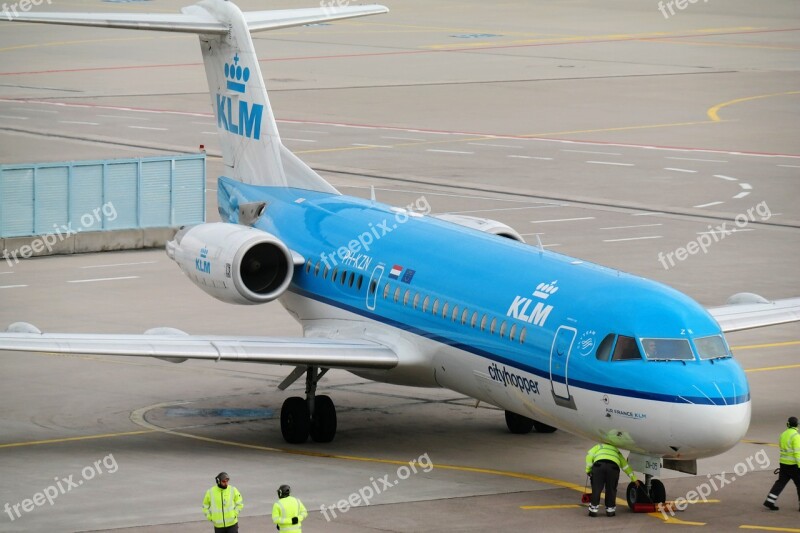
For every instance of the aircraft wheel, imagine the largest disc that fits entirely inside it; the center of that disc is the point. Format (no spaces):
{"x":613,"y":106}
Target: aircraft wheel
{"x":518,"y":424}
{"x":657,"y":491}
{"x":323,"y":423}
{"x":295,"y":420}
{"x":635,"y":495}
{"x":543,"y":428}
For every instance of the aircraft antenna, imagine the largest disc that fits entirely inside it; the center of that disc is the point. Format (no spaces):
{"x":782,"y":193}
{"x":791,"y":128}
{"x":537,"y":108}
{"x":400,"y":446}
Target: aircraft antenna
{"x":372,"y":192}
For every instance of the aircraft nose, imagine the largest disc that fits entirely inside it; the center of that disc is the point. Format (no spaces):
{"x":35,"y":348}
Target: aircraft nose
{"x":707,"y":429}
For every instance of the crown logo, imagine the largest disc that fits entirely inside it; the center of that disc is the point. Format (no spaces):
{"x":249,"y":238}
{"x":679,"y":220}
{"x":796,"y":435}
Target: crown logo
{"x":236,"y":75}
{"x":203,"y":252}
{"x":545,"y":290}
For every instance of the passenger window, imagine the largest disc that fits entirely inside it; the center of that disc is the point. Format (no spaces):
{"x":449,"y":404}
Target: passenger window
{"x":396,"y":294}
{"x":435,"y":306}
{"x":352,"y":278}
{"x":474,"y":319}
{"x":406,"y":296}
{"x":425,"y":303}
{"x":385,"y":291}
{"x":344,"y":276}
{"x":416,"y":300}
{"x":493,"y":326}
{"x":464,"y":316}
{"x":512,"y":333}
{"x":483,"y":323}
{"x":325,"y":273}
{"x":335,"y":273}
{"x":316,"y":269}
{"x":445,"y":307}
{"x":604,"y":350}
{"x":360,"y":281}
{"x":308,"y":266}
{"x":373,"y":286}
{"x":522,"y":335}
{"x":454,"y":316}
{"x":503,"y":329}
{"x":626,"y":349}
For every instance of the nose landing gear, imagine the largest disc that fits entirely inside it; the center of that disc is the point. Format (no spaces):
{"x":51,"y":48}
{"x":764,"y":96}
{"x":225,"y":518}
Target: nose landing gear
{"x":652,"y":491}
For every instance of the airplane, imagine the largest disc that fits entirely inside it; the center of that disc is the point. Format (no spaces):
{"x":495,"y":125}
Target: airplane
{"x":399,"y":296}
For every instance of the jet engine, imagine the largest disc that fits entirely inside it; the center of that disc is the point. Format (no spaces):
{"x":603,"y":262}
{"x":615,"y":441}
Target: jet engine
{"x":485,"y":225}
{"x":233,"y":263}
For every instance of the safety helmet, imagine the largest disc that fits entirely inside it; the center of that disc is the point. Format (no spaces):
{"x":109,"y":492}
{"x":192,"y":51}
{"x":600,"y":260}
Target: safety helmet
{"x":284,"y":491}
{"x":221,"y":476}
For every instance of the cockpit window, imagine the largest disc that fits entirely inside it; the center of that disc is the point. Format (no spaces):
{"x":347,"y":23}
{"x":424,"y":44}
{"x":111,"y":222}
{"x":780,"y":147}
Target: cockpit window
{"x":604,"y":350}
{"x":712,"y":347}
{"x":626,"y":349}
{"x":667,"y":349}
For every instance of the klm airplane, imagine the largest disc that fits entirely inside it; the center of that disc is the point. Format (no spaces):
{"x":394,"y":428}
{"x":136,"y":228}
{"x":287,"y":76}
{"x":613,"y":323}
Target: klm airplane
{"x":397,"y":296}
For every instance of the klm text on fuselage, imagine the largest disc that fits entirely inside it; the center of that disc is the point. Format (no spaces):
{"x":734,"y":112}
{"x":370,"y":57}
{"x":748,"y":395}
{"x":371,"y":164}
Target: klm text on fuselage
{"x":246,"y":122}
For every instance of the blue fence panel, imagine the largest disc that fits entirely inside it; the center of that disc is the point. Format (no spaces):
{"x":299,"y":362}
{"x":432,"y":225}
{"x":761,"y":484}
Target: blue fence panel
{"x":51,"y":193}
{"x":167,"y":191}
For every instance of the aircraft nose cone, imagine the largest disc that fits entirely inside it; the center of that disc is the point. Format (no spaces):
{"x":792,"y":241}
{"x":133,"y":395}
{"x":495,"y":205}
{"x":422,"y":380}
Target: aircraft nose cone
{"x":708,"y":429}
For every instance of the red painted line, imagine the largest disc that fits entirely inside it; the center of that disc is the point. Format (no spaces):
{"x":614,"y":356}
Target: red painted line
{"x":401,"y":52}
{"x":410,"y":129}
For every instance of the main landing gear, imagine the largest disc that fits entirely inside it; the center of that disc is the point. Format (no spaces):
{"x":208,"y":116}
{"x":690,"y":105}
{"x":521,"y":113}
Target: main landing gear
{"x":651,"y":491}
{"x":522,"y":425}
{"x":314,"y":416}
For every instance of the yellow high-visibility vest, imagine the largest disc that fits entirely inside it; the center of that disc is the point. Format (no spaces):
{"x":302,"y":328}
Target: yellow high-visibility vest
{"x":223,"y":506}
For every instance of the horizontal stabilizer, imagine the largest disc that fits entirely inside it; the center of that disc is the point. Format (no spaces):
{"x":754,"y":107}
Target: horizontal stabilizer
{"x":194,"y":19}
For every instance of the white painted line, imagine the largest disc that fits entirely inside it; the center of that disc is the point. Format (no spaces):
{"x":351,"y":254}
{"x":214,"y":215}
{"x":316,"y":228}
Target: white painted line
{"x":79,"y":122}
{"x":611,"y":163}
{"x":203,"y":124}
{"x":34,"y":110}
{"x":9,"y":272}
{"x":448,"y":151}
{"x":734,"y":230}
{"x":495,"y":145}
{"x":504,"y":209}
{"x":725,"y":177}
{"x":647,"y":214}
{"x":122,"y":117}
{"x":590,"y":152}
{"x":13,"y":117}
{"x":535,"y":233}
{"x":11,"y":286}
{"x":635,"y":226}
{"x":789,"y":166}
{"x":403,"y":138}
{"x":560,"y":220}
{"x":550,"y":245}
{"x":148,"y":128}
{"x":121,"y":264}
{"x":209,"y":132}
{"x":314,"y":132}
{"x":745,"y":186}
{"x":633,"y":238}
{"x":681,"y":170}
{"x":709,"y":204}
{"x":298,"y":140}
{"x":370,"y":145}
{"x":697,"y":159}
{"x":531,"y":157}
{"x":100,"y":279}
{"x":741,"y":195}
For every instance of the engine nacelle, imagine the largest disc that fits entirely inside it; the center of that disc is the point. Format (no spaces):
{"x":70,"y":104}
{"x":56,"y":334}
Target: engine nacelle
{"x":485,"y":225}
{"x":233,"y":263}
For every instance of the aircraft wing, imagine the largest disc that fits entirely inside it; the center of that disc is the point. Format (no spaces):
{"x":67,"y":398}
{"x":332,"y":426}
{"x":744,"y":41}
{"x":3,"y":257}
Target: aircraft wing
{"x":194,"y":19}
{"x":176,"y":346}
{"x":747,"y":311}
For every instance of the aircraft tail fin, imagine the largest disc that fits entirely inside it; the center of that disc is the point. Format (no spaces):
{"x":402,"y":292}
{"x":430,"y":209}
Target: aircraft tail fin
{"x":251,"y":145}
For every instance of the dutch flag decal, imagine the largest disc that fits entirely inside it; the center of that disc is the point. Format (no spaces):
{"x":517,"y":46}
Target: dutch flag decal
{"x":395,"y":272}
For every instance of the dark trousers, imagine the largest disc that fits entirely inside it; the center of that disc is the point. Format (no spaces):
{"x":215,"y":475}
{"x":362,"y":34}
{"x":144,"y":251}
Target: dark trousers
{"x":605,"y":475}
{"x":787,"y":472}
{"x":230,"y":529}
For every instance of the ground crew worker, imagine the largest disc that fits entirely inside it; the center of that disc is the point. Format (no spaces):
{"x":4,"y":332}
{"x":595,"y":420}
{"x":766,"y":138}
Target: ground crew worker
{"x":790,"y":464}
{"x":288,"y":512}
{"x":603,"y":462}
{"x":222,"y":505}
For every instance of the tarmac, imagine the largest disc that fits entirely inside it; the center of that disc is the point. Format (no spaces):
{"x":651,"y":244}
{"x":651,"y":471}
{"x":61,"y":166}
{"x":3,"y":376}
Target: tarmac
{"x":608,"y":131}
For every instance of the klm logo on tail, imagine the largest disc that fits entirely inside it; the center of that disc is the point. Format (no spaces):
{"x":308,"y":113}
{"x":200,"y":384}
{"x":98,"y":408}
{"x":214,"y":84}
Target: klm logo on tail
{"x":246,"y":120}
